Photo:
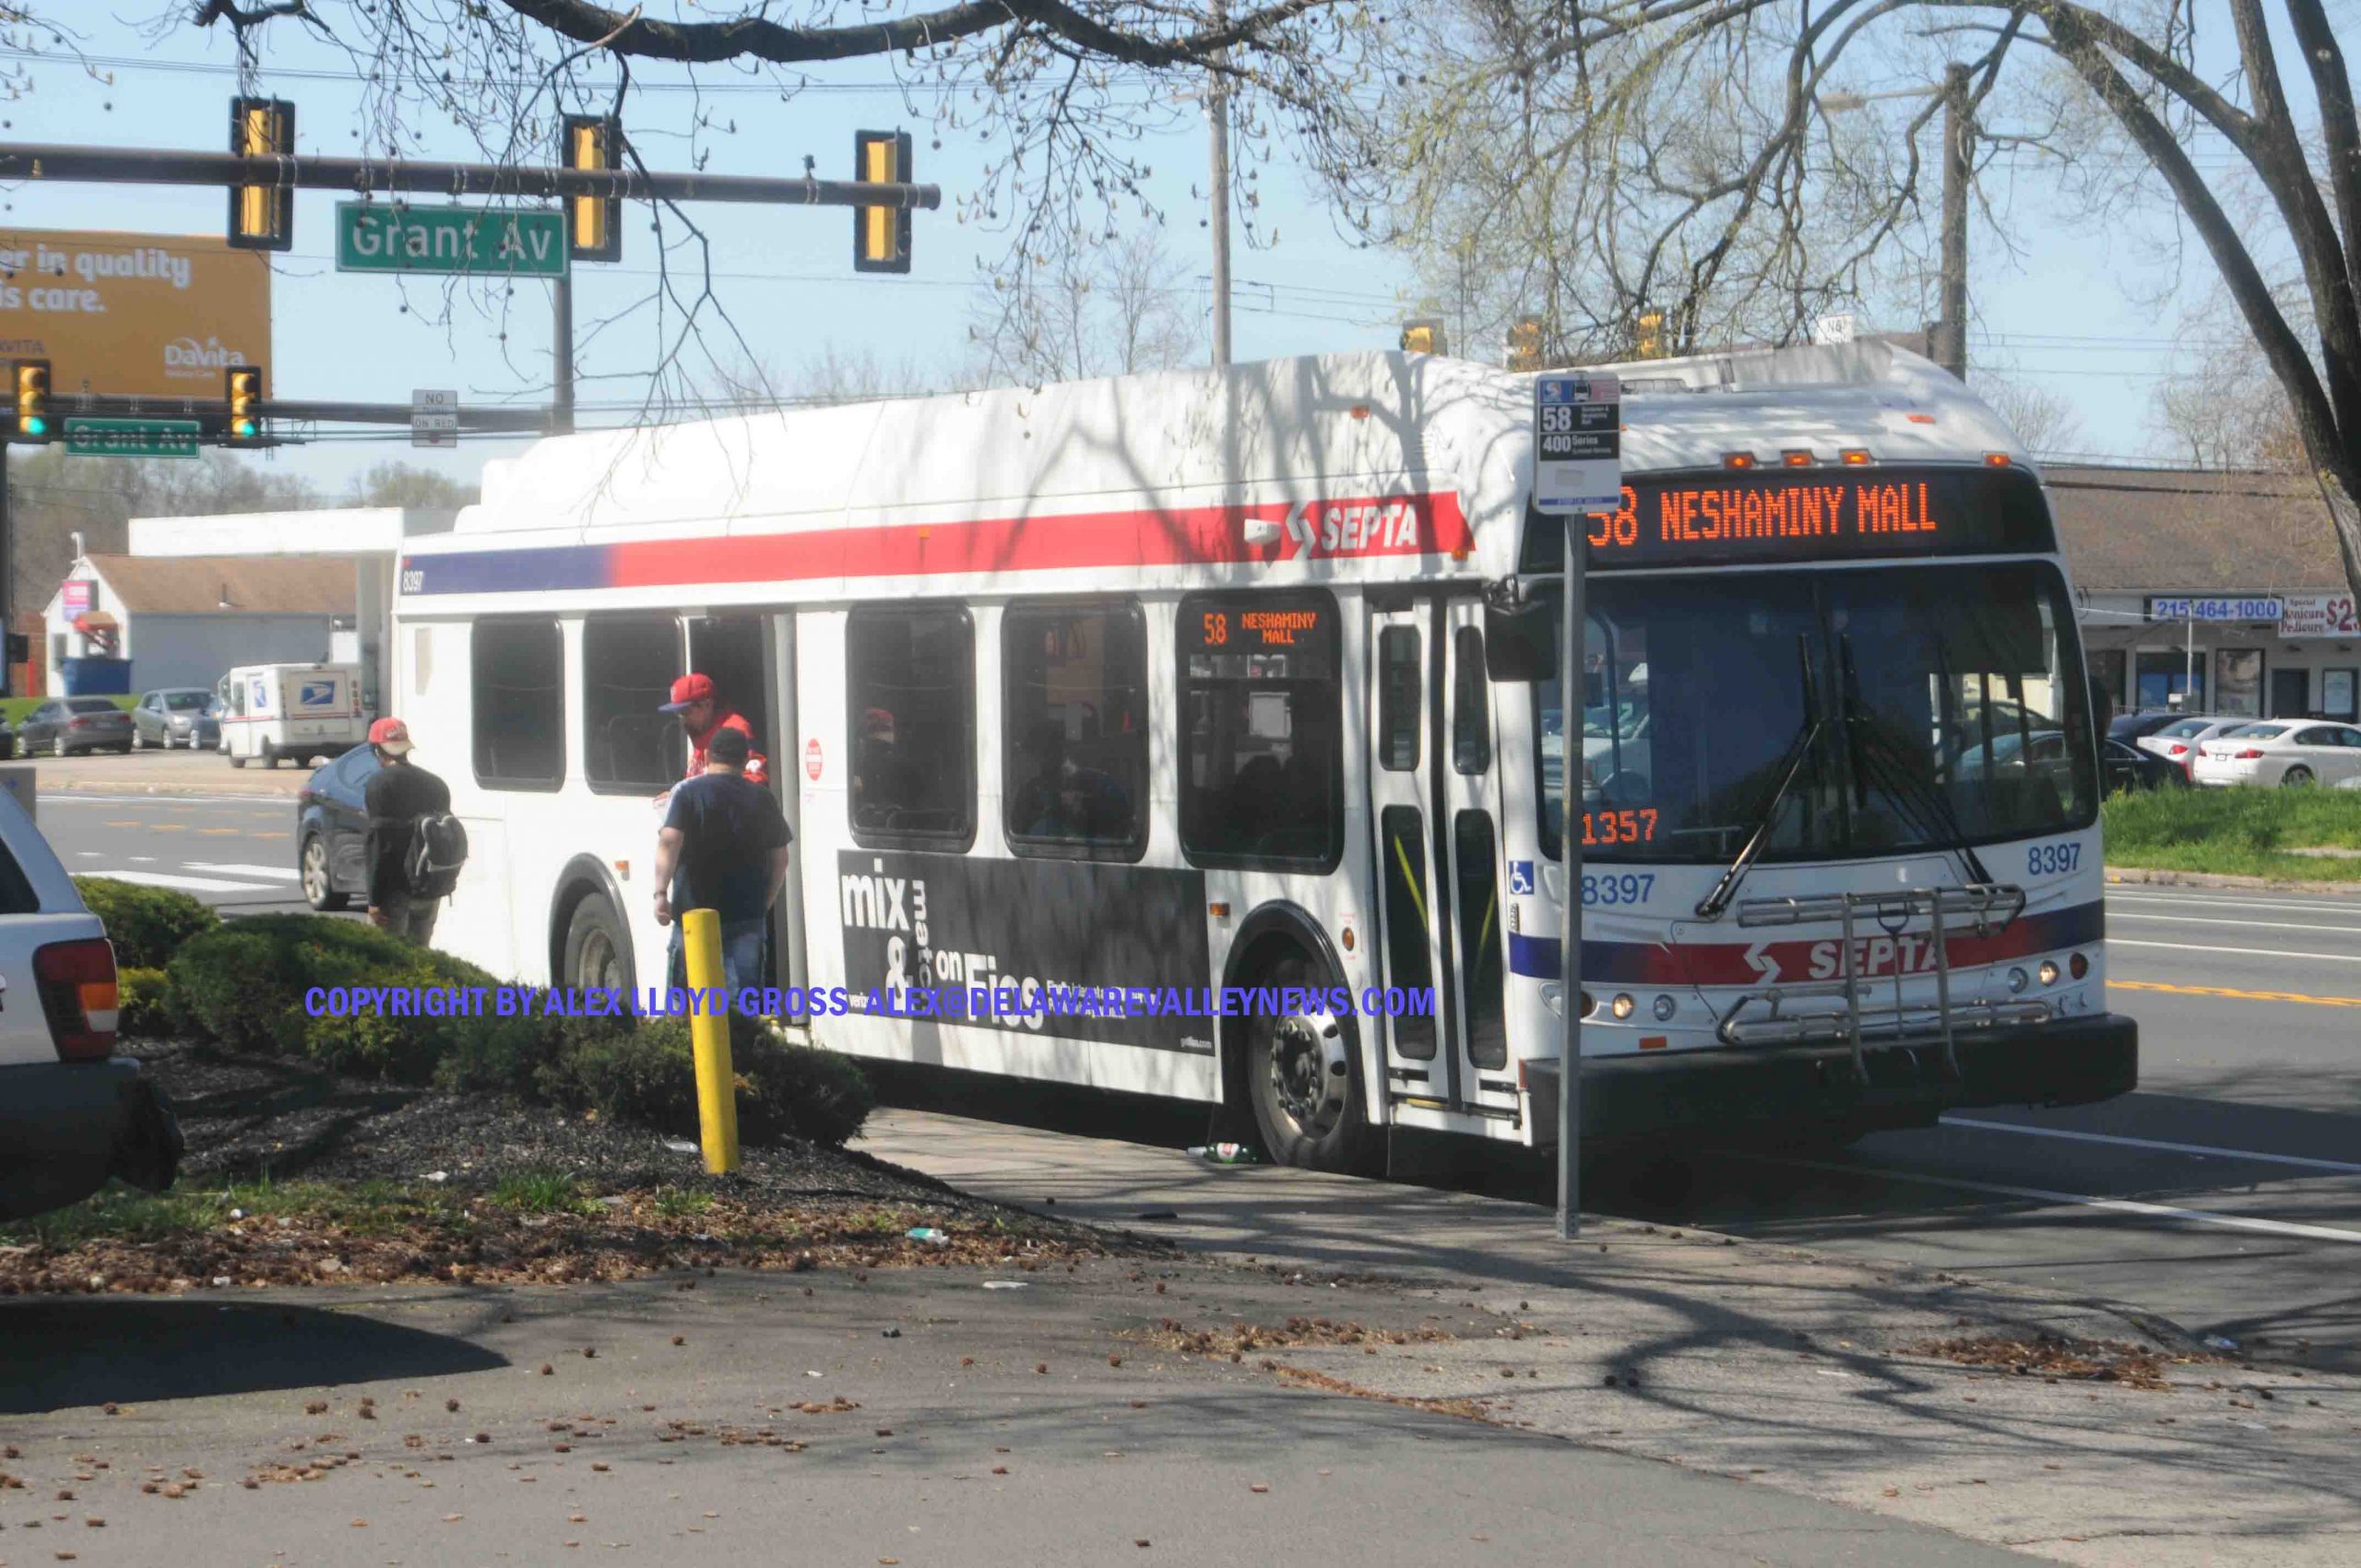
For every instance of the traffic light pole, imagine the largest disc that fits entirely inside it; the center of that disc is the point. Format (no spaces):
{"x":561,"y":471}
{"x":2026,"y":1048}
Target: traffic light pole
{"x":167,"y":166}
{"x":562,"y":356}
{"x":8,"y":580}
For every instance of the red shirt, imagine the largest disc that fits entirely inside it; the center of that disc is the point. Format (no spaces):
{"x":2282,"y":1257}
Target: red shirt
{"x":757,"y":769}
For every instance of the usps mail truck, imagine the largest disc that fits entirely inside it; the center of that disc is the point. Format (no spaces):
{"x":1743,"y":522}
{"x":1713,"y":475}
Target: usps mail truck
{"x":293,"y":712}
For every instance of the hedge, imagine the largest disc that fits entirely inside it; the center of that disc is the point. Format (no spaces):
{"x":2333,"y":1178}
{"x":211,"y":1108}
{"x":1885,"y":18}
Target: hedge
{"x":244,"y":985}
{"x":148,"y":1008}
{"x":148,"y":925}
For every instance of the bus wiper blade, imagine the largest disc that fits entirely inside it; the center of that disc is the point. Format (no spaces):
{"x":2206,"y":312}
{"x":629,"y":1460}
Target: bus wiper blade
{"x":1895,"y":778}
{"x":1800,"y":751}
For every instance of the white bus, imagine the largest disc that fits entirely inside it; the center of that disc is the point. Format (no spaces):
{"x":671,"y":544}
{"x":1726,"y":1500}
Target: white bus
{"x":1210,"y":680}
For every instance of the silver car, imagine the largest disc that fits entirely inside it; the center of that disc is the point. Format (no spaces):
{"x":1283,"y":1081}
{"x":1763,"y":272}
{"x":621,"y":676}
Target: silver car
{"x":175,"y":715}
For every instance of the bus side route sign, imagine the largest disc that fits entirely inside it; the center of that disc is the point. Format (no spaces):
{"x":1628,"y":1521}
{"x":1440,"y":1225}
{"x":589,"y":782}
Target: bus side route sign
{"x":1577,"y":444}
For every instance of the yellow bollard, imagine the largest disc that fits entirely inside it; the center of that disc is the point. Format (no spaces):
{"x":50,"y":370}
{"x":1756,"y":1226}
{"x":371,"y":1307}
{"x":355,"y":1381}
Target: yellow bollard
{"x":709,"y":1035}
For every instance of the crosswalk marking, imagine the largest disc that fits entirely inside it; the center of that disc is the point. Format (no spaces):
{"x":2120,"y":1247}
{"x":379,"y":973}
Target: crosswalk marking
{"x":274,"y":873}
{"x":185,"y":884}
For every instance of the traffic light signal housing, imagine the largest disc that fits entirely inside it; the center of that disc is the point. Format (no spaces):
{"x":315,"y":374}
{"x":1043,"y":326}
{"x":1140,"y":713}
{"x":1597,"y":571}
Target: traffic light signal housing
{"x":594,"y":225}
{"x":1422,"y":338}
{"x":242,"y":388}
{"x":1525,"y":344}
{"x":29,"y":383}
{"x":881,"y":235}
{"x":1650,"y":337}
{"x":262,"y":218}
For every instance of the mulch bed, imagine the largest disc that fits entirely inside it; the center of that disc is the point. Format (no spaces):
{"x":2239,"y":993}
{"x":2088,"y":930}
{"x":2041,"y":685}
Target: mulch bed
{"x":641,"y":1204}
{"x":2051,"y":1357}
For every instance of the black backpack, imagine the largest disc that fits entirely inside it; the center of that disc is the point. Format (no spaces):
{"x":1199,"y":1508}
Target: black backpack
{"x":438,"y":848}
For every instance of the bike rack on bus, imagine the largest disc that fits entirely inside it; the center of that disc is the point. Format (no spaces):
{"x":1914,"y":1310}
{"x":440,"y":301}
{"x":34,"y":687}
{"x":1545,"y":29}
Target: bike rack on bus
{"x":1991,"y":907}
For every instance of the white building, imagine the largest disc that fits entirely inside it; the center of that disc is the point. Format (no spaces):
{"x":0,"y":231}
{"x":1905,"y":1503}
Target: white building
{"x":182,"y":622}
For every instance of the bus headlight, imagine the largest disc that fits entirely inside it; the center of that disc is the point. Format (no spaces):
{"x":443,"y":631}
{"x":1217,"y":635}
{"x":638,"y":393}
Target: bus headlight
{"x":2049,"y":972}
{"x":1665,"y":1008}
{"x":2078,"y":965}
{"x":1623,"y":1006}
{"x":2017,"y":982}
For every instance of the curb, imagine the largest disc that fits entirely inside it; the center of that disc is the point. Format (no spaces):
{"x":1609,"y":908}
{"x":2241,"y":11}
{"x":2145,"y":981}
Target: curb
{"x":2156,"y":877}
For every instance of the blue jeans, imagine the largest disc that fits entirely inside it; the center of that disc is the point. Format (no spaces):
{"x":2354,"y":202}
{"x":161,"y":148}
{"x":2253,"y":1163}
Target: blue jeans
{"x":741,"y":954}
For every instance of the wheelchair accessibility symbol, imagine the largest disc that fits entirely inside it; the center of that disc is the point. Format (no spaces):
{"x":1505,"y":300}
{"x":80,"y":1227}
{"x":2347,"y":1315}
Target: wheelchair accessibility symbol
{"x":1520,"y":876}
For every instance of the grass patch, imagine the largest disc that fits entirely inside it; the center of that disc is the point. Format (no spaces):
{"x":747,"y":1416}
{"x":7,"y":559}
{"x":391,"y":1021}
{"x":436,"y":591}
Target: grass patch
{"x":123,"y":1213}
{"x":542,"y":1192}
{"x":2237,"y":832}
{"x":682,"y":1203}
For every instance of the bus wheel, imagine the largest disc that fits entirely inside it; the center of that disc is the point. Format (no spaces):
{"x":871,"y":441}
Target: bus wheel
{"x":595,"y":945}
{"x":1303,"y":1077}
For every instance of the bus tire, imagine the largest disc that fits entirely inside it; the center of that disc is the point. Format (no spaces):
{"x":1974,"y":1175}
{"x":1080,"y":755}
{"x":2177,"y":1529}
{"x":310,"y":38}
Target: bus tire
{"x":1303,"y":1078}
{"x":597,"y":949}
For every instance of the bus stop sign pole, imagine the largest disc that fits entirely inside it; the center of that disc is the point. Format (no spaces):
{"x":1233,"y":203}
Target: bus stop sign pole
{"x":1577,"y":471}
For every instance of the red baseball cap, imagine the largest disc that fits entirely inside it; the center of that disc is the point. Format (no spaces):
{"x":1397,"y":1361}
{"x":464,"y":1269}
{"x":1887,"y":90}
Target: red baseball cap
{"x":390,"y":735}
{"x":686,"y":690}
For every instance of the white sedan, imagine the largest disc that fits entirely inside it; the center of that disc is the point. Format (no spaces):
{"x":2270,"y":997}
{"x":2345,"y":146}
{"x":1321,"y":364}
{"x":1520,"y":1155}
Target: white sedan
{"x":2177,"y":742}
{"x":2281,"y":752}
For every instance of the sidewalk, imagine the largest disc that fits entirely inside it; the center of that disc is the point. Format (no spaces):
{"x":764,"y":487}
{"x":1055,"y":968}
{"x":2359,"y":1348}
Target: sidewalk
{"x":1791,"y":1369}
{"x":908,"y":1416}
{"x":165,"y":773}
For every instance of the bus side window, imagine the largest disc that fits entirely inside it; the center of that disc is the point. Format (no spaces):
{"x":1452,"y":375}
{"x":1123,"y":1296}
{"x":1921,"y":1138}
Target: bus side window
{"x":1471,"y":713}
{"x":1261,"y":747}
{"x":1075,"y":710}
{"x":629,"y":747}
{"x":910,"y":695}
{"x":518,"y":670}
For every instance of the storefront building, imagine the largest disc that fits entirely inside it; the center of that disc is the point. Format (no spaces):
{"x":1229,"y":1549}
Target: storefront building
{"x":2216,"y":592}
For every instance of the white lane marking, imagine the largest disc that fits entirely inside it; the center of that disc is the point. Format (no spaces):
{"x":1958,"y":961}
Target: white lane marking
{"x":185,"y":884}
{"x":276,"y":874}
{"x":2117,"y":1206}
{"x":143,"y":860}
{"x":87,"y":854}
{"x":2339,"y":907}
{"x":2250,"y":952}
{"x":2207,"y":1150}
{"x":275,"y":802}
{"x":2215,"y":919}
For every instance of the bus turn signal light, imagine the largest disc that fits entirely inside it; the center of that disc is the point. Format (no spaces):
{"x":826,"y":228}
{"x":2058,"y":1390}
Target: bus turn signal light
{"x":1996,"y":460}
{"x":1854,"y":457}
{"x":1738,"y":459}
{"x":1798,"y":459}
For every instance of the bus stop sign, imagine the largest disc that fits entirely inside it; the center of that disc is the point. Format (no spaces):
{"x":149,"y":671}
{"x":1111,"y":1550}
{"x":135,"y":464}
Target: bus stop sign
{"x":1577,"y":444}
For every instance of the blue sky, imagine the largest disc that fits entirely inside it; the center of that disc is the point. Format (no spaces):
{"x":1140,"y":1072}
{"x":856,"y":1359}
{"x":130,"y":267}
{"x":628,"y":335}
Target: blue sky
{"x":2082,"y":310}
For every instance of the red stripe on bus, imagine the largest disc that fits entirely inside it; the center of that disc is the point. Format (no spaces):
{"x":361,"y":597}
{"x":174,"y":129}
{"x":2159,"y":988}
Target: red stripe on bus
{"x":1407,"y":524}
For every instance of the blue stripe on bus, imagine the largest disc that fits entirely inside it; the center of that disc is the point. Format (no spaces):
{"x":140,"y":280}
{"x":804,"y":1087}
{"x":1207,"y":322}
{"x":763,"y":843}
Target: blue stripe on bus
{"x":510,"y":571}
{"x":1632,"y":961}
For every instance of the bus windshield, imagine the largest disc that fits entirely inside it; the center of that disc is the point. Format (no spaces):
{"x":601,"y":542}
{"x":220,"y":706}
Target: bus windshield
{"x":1930,"y":705}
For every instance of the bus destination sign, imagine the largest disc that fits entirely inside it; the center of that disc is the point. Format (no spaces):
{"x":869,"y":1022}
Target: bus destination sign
{"x":1725,"y":517}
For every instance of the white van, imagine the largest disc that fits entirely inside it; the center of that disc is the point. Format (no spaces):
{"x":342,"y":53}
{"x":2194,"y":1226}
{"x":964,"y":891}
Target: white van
{"x":294,"y":711}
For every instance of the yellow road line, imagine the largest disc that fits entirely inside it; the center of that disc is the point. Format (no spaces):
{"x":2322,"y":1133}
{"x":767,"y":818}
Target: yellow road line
{"x":2234,"y":995}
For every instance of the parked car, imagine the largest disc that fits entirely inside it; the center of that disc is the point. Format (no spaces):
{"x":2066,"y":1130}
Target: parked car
{"x":2290,"y":751}
{"x":2147,"y":721}
{"x":2178,"y":741}
{"x":65,"y":725}
{"x":2130,"y":768}
{"x":332,"y":830}
{"x":2047,"y":752}
{"x":176,"y":716}
{"x":72,"y":1113}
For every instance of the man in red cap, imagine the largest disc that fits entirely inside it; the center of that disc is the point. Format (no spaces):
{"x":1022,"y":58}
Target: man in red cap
{"x":399,"y":795}
{"x":701,"y":715}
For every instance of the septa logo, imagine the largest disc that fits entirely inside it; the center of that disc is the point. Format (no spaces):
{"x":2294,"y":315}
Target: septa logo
{"x":1378,"y":525}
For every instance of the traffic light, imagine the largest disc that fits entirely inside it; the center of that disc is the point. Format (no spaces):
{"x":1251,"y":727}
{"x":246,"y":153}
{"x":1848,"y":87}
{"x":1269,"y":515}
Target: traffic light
{"x":31,"y":379}
{"x":1525,"y":343}
{"x":1422,"y":338}
{"x":1650,"y":344}
{"x":242,"y":389}
{"x":262,"y":218}
{"x":594,"y":225}
{"x":881,"y":235}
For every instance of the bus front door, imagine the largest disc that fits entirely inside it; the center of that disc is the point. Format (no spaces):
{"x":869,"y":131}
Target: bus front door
{"x":1434,"y":803}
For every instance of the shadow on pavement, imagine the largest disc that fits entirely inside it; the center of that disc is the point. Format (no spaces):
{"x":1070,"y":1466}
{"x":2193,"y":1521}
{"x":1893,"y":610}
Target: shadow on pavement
{"x":70,"y":1351}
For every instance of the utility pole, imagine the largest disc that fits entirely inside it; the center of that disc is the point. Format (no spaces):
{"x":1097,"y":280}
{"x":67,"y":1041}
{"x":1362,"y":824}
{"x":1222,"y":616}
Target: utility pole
{"x":7,"y":578}
{"x":1952,"y":353}
{"x":562,"y":356}
{"x":1218,"y":111}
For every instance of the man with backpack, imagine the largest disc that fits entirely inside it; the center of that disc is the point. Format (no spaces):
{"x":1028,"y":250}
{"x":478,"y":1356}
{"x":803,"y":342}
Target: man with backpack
{"x":415,"y":845}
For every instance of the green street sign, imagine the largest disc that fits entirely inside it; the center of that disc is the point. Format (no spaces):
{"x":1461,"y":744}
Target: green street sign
{"x":132,"y":438}
{"x":383,"y":237}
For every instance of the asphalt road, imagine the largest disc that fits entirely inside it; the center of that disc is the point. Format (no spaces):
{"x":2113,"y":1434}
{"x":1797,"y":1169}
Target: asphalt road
{"x":2225,"y":1194}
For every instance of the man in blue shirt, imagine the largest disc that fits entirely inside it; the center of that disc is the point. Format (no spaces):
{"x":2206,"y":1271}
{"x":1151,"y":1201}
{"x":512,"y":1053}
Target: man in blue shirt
{"x":726,"y":841}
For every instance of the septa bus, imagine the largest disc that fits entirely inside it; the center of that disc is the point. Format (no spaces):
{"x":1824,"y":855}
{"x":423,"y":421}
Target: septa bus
{"x":1207,"y":680}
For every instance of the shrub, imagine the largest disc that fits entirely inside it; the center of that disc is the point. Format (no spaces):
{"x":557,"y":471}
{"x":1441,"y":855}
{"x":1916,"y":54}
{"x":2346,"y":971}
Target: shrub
{"x":245,"y":984}
{"x":147,"y":925}
{"x":149,"y":1010}
{"x":648,"y":1076}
